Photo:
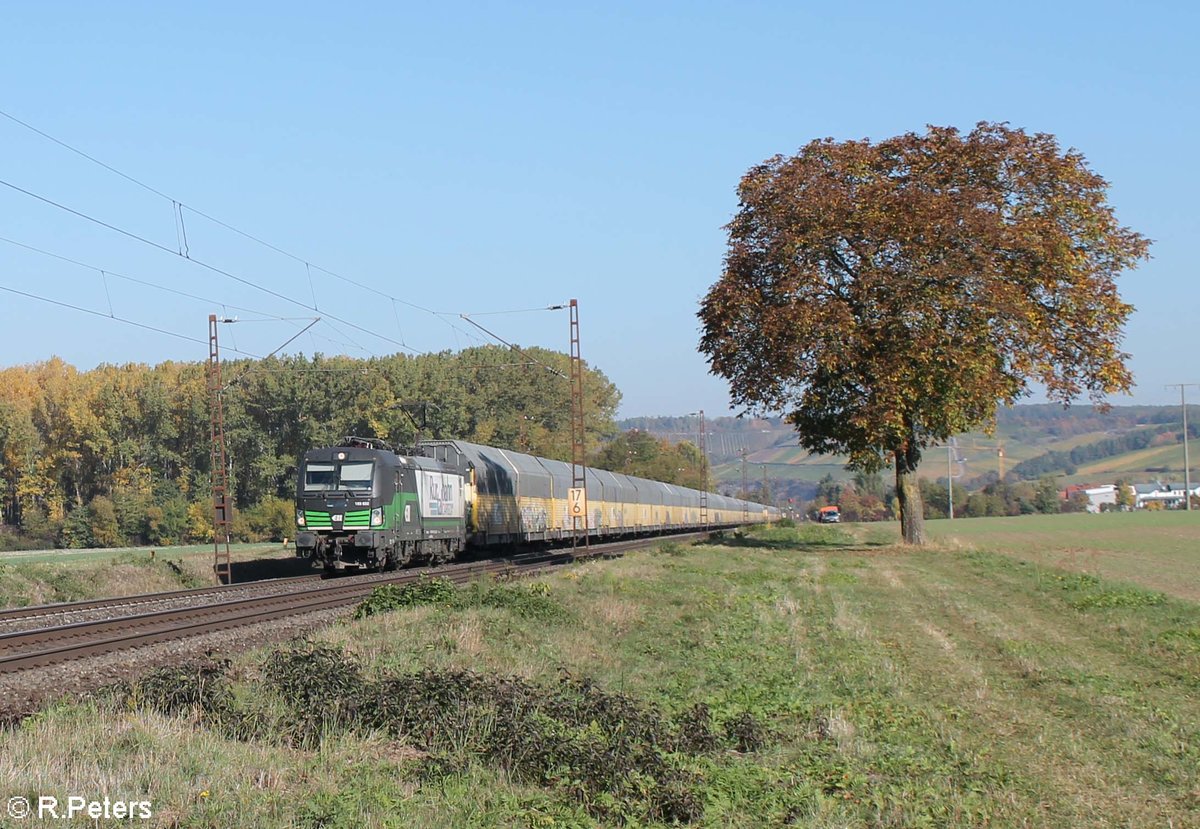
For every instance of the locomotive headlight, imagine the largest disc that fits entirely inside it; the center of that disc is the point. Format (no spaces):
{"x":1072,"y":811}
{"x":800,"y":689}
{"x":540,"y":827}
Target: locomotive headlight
{"x":377,"y":517}
{"x":299,"y":518}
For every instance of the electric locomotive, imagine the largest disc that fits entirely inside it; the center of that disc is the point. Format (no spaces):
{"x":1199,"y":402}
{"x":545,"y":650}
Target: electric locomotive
{"x":360,"y":505}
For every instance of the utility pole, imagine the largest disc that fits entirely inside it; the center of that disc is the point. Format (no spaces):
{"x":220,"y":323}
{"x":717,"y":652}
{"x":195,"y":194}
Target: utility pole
{"x":950,"y":478}
{"x":1187,"y":476}
{"x":745,"y":490}
{"x":703,"y":471}
{"x":222,"y":505}
{"x":766,"y":493}
{"x":578,"y":497}
{"x":577,"y":507}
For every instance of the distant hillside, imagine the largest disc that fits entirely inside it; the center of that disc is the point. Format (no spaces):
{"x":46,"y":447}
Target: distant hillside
{"x":1076,"y":445}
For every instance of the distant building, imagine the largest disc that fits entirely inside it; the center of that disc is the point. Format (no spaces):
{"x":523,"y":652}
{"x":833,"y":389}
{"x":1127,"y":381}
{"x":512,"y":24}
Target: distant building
{"x":1097,"y":495}
{"x":1170,"y":495}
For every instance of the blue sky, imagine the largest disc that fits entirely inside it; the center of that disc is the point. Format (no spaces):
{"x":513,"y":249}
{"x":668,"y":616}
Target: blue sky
{"x":493,"y":156}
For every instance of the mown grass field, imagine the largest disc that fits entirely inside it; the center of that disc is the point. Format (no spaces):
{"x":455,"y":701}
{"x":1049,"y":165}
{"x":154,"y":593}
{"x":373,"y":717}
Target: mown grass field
{"x":1159,"y":550}
{"x":845,"y":682}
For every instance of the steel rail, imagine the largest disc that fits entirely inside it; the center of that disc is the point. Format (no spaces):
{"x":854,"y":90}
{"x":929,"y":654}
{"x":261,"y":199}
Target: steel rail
{"x":46,"y":646}
{"x":24,"y":650}
{"x":32,"y":611}
{"x":119,"y":602}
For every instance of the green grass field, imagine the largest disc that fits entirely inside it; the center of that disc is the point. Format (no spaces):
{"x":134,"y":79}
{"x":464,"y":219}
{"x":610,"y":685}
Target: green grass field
{"x":1158,"y":550}
{"x":818,"y":676}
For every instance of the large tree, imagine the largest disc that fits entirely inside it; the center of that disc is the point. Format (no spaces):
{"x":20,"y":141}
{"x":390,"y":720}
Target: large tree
{"x":889,"y":295}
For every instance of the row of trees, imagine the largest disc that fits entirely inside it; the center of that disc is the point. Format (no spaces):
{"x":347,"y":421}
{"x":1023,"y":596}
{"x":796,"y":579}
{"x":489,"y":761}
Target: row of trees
{"x":867,"y":499}
{"x":997,"y":498}
{"x":642,"y":454}
{"x":121,"y":453}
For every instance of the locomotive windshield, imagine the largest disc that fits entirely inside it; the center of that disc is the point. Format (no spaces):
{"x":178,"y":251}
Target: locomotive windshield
{"x":323,"y":477}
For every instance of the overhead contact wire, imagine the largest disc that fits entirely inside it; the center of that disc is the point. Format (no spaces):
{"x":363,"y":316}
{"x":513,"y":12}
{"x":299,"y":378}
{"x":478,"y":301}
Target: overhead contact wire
{"x":102,"y":315}
{"x":183,"y":252}
{"x":145,"y":283}
{"x":199,"y":262}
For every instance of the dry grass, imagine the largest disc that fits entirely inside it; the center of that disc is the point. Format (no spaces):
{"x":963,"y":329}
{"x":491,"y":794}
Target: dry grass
{"x":934,"y":688}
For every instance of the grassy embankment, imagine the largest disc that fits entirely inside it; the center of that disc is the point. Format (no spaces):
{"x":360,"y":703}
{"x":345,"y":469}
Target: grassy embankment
{"x":938,"y":688}
{"x":46,"y":576}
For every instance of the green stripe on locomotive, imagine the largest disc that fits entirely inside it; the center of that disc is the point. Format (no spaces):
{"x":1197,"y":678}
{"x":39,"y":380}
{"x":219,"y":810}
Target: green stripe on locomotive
{"x":315,"y":520}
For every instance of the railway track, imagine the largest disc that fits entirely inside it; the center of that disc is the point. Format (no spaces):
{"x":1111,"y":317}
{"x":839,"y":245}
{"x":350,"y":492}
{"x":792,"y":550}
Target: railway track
{"x":18,"y":618}
{"x":28,"y":649}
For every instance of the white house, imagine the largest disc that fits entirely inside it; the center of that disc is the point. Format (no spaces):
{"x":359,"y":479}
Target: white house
{"x":1170,"y":495}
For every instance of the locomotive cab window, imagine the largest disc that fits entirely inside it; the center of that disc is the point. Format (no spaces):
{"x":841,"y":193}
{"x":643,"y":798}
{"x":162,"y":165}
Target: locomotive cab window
{"x":323,"y":477}
{"x":357,"y":474}
{"x":319,"y":477}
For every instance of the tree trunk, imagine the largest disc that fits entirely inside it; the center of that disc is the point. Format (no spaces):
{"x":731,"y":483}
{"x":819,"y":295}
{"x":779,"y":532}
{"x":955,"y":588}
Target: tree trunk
{"x":908,"y":492}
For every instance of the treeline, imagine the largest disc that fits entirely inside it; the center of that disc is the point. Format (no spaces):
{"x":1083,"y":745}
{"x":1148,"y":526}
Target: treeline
{"x":681,"y":424}
{"x":120,"y":454}
{"x":867,"y":498}
{"x":997,"y":499}
{"x":1027,"y":422}
{"x":643,"y":455}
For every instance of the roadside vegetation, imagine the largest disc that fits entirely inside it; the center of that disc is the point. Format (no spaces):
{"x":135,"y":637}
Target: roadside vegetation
{"x":809,"y":676}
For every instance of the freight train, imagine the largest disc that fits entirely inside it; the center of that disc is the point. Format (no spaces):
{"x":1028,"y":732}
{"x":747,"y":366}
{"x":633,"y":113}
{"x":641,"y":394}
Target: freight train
{"x":363,"y":505}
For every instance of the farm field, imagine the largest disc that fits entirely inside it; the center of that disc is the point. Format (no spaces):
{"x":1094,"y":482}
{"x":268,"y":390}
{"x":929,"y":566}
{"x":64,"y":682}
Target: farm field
{"x":841,"y":682}
{"x":1165,"y":461}
{"x":1158,"y":550}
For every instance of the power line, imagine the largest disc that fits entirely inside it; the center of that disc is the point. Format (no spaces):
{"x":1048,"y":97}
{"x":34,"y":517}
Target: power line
{"x":514,"y":311}
{"x":250,"y":370}
{"x":517,"y":348}
{"x":205,"y":265}
{"x":105,"y":273}
{"x":62,"y":304}
{"x":145,"y":283}
{"x":79,"y":152}
{"x":177,"y":208}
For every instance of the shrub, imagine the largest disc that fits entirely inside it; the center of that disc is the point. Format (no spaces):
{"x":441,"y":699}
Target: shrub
{"x":621,"y":759}
{"x":426,"y":590}
{"x":199,"y":690}
{"x":528,"y":599}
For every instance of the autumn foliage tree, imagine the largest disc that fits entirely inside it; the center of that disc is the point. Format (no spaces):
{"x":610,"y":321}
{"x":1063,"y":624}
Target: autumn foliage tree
{"x":122,"y":453}
{"x":889,"y":295}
